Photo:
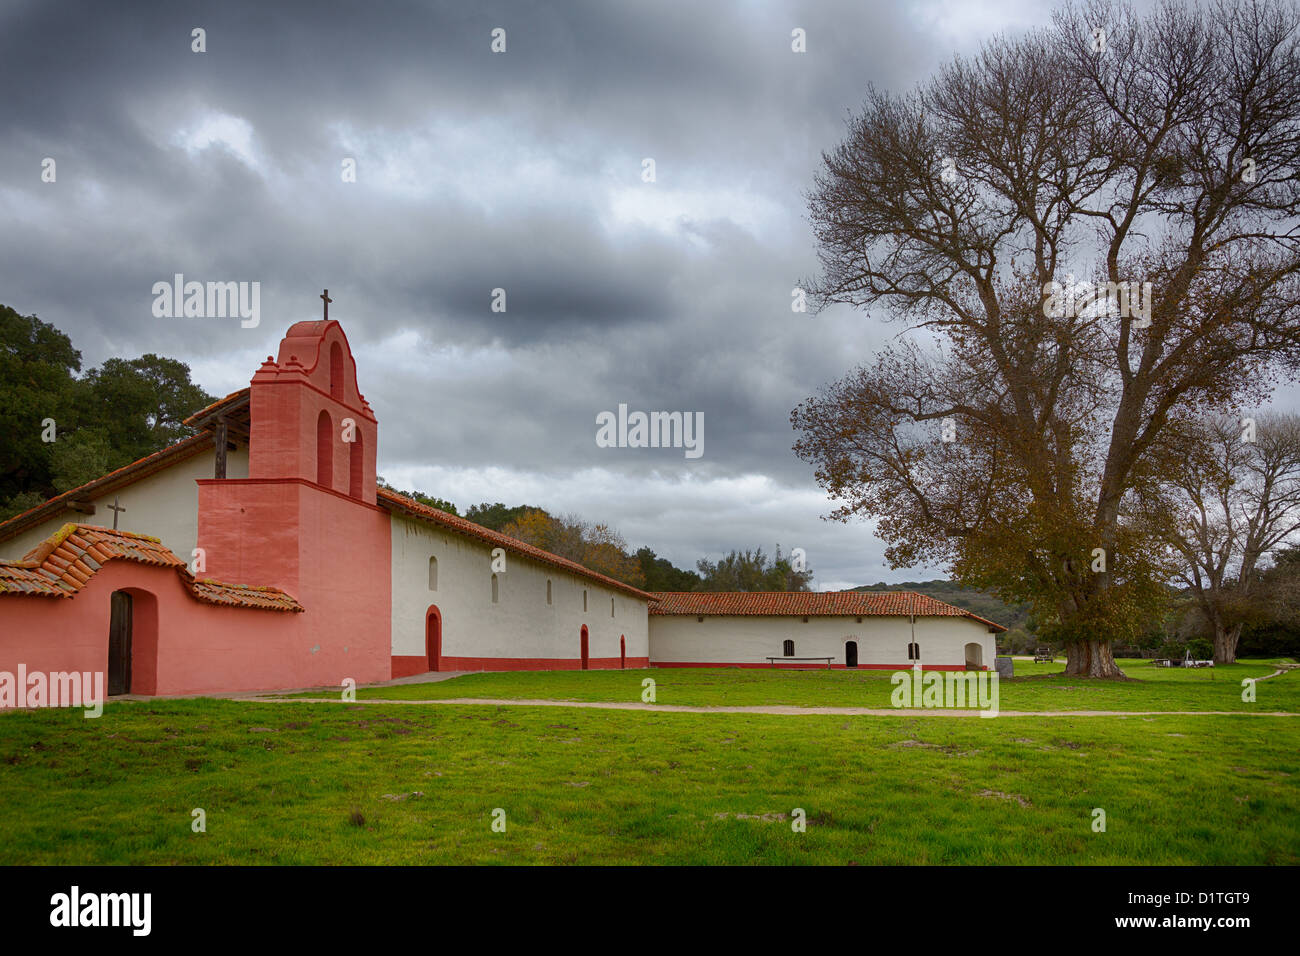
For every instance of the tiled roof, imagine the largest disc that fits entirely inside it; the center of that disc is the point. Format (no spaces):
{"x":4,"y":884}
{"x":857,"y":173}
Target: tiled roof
{"x":808,"y":604}
{"x":141,"y":468}
{"x":395,"y":502}
{"x":63,"y":563}
{"x":234,"y":399}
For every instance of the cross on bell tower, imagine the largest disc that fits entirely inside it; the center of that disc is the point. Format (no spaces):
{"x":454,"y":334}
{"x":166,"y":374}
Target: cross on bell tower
{"x":325,"y":296}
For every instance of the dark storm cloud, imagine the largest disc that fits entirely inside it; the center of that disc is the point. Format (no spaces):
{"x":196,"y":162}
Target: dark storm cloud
{"x":476,"y":171}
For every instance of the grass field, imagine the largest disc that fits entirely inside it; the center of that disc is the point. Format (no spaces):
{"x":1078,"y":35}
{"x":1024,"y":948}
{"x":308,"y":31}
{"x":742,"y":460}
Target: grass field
{"x":371,"y":784}
{"x":1042,"y":687}
{"x":302,"y":782}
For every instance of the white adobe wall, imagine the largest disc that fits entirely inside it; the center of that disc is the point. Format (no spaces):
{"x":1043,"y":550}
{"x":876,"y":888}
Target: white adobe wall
{"x":751,"y":640}
{"x":164,"y":505}
{"x":521,"y":624}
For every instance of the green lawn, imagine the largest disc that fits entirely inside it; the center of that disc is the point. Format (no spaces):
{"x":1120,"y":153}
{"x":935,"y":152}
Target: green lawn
{"x":327,"y":783}
{"x":1043,"y":687}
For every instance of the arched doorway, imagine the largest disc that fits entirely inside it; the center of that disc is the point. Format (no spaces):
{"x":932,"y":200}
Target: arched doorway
{"x":584,"y":647}
{"x":132,"y":642}
{"x":622,"y":652}
{"x":851,"y":654}
{"x":974,"y":657}
{"x":119,"y":643}
{"x":433,"y":637}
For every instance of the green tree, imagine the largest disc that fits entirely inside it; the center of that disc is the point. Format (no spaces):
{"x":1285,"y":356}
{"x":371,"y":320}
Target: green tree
{"x":660,"y":574}
{"x":752,"y":571}
{"x":140,"y":404}
{"x":494,"y":517}
{"x":38,"y":396}
{"x":61,"y":431}
{"x":80,"y":457}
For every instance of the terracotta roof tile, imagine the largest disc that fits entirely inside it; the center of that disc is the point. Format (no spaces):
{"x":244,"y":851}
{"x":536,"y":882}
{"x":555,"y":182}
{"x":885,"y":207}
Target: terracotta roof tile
{"x":62,"y":565}
{"x":395,"y":502}
{"x":234,"y":398}
{"x":808,"y":604}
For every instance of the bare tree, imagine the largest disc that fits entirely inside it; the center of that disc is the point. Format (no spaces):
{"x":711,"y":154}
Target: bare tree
{"x":1232,"y":498}
{"x":1120,"y":148}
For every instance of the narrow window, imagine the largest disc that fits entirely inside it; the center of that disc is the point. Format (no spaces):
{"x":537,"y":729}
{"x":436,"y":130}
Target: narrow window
{"x":496,"y":589}
{"x":433,"y":574}
{"x":913,"y":651}
{"x":788,"y":649}
{"x":584,"y":601}
{"x":356,"y":467}
{"x":324,"y":450}
{"x":548,"y":590}
{"x":336,"y":372}
{"x":611,"y":607}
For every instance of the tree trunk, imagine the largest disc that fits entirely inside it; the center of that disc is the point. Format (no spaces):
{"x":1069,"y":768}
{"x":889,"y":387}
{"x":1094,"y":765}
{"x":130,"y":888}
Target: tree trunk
{"x":1091,"y":659}
{"x":1225,"y":643}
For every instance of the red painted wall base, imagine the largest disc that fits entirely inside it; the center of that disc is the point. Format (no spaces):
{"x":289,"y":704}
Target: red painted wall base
{"x":410,"y":666}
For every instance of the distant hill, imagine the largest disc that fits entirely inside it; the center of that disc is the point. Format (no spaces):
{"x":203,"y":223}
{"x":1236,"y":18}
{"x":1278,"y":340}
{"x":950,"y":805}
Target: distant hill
{"x":970,"y":599}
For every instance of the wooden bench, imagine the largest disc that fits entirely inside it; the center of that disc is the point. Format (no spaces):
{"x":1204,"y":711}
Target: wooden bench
{"x":828,"y":660}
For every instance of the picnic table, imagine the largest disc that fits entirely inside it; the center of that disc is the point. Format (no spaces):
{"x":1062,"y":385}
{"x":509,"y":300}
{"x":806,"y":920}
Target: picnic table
{"x":1044,"y":654}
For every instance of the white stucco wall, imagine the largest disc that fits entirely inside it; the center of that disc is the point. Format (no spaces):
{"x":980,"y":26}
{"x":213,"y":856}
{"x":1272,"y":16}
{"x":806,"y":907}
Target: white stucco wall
{"x":164,"y":505}
{"x":751,"y":640}
{"x":521,"y":624}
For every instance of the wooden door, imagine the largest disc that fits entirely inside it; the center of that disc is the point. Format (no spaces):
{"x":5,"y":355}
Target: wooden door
{"x":119,"y":644}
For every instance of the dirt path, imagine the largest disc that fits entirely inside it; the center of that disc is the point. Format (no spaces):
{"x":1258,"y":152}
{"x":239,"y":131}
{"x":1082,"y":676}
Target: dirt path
{"x":779,"y":710}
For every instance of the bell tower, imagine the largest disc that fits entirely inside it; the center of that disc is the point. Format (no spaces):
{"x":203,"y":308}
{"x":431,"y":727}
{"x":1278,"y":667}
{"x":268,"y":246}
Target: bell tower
{"x":312,"y":422}
{"x":306,"y":518}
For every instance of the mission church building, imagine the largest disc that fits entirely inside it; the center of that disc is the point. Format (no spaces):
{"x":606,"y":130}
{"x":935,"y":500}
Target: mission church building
{"x":261,"y":554}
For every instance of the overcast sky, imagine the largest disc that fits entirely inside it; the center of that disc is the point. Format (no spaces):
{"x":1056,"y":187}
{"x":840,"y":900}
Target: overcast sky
{"x":477,"y":170}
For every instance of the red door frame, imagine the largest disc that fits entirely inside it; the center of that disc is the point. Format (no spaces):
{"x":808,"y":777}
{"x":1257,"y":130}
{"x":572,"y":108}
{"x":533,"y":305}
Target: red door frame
{"x":433,"y":637}
{"x":622,"y":651}
{"x":584,"y":647}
